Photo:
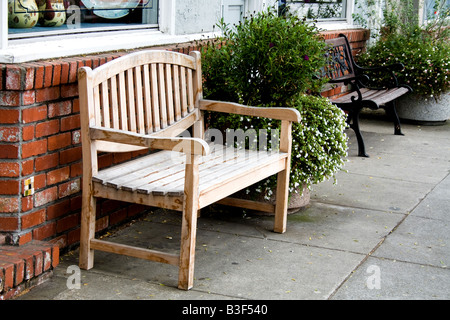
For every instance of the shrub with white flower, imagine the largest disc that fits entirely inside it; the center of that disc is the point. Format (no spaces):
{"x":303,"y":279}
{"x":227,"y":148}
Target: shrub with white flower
{"x":272,"y":61}
{"x":424,"y":50}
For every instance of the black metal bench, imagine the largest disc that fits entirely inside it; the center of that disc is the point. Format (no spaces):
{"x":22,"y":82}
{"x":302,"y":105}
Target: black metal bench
{"x":343,"y":69}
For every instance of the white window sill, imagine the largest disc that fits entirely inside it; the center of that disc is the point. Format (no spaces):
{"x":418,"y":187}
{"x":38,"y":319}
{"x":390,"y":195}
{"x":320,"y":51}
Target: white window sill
{"x":33,"y":49}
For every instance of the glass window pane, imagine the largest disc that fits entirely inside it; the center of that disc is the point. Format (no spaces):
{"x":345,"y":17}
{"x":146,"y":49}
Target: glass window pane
{"x":39,"y":17}
{"x":320,"y":9}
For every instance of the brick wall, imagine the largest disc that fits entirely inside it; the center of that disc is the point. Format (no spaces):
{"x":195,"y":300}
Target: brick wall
{"x":40,"y":152}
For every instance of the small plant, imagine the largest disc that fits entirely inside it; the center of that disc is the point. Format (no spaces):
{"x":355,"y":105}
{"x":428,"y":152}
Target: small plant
{"x":267,"y":61}
{"x":424,"y":50}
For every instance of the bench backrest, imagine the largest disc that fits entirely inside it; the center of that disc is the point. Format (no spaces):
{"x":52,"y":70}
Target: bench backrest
{"x":146,"y":92}
{"x":341,"y":63}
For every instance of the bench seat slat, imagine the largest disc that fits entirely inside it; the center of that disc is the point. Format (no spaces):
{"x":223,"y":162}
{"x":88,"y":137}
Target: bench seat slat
{"x":379,"y":96}
{"x":163,"y":173}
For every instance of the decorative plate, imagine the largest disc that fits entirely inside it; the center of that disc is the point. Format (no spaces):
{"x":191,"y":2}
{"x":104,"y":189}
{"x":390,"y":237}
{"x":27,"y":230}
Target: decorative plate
{"x":111,"y":9}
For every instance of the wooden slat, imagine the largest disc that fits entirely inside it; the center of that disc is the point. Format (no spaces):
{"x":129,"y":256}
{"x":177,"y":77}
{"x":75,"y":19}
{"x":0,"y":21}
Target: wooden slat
{"x":162,"y":96}
{"x":134,"y":251}
{"x":155,"y":97}
{"x":248,"y":204}
{"x":190,"y":89}
{"x":131,"y":101}
{"x":139,"y":100}
{"x":169,"y":95}
{"x":176,"y":94}
{"x":114,"y":103}
{"x":184,"y":101}
{"x":105,"y":104}
{"x":97,"y":108}
{"x":123,"y":102}
{"x":147,"y":100}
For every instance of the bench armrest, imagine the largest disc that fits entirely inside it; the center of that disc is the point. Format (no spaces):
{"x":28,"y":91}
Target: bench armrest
{"x":288,"y":114}
{"x":181,"y":144}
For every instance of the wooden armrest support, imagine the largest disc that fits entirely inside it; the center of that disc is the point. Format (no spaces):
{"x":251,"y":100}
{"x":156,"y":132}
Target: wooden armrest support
{"x":288,"y":114}
{"x":181,"y":144}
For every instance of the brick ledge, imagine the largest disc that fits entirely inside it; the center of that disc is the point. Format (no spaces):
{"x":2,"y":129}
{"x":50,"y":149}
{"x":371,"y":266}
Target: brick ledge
{"x":23,"y":267}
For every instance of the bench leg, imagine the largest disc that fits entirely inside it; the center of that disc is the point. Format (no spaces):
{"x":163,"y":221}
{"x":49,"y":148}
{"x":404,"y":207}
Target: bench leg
{"x":88,"y":214}
{"x":392,"y":114}
{"x":354,"y":118}
{"x":189,"y":227}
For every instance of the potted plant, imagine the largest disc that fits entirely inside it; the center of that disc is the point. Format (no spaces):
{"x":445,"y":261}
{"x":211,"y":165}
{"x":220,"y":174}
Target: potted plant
{"x":424,"y":50}
{"x":270,"y":60}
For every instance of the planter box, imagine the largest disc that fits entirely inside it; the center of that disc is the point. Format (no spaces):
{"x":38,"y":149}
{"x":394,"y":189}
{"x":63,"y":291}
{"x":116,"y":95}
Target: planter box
{"x":421,"y":110}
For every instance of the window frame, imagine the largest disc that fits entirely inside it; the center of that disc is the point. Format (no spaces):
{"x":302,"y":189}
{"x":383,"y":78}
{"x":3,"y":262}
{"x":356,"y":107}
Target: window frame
{"x":57,"y":46}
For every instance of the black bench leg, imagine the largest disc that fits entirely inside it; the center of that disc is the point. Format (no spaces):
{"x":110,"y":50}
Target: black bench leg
{"x":354,"y":118}
{"x":392,"y":114}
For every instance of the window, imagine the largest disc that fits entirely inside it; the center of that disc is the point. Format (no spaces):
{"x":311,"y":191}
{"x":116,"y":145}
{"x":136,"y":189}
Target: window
{"x":321,"y":9}
{"x":432,"y":8}
{"x":32,"y":18}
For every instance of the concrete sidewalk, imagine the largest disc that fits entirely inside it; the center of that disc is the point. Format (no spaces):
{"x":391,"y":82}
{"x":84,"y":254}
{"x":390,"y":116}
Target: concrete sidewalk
{"x":382,"y":232}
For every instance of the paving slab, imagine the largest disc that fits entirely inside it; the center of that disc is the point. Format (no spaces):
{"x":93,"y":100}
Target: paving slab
{"x":397,"y":281}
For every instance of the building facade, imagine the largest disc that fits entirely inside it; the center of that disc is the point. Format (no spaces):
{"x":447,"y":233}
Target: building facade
{"x":40,"y":146}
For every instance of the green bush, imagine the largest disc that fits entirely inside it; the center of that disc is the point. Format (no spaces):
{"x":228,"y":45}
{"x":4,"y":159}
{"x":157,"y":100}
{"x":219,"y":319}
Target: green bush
{"x":424,"y":50}
{"x":272,"y":61}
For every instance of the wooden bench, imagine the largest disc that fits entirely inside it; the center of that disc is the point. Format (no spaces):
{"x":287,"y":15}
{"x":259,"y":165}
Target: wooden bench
{"x":146,"y":100}
{"x":343,"y":69}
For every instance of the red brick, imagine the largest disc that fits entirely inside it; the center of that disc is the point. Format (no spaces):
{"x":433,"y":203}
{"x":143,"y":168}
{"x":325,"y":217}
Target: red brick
{"x":69,"y":90}
{"x":76,"y":170}
{"x":64,"y":72}
{"x":8,"y":223}
{"x":76,"y":105}
{"x":40,"y":181}
{"x":68,"y":222}
{"x":58,"y":175}
{"x":24,"y":238}
{"x":9,"y":134}
{"x":46,"y":231}
{"x":34,"y":114}
{"x":9,"y":151}
{"x":10,"y":187}
{"x":9,"y":116}
{"x":58,"y":209}
{"x":33,"y":219}
{"x":10,"y":98}
{"x":47,"y":128}
{"x":27,"y":203}
{"x":47,"y":161}
{"x":69,"y":188}
{"x":118,"y":216}
{"x":13,"y":77}
{"x":8,"y":274}
{"x":29,"y":78}
{"x":46,"y":196}
{"x":59,"y":141}
{"x":9,"y":169}
{"x":34,"y":148}
{"x":56,"y":81}
{"x":28,"y":97}
{"x":70,"y":122}
{"x":48,"y":74}
{"x":47,"y":94}
{"x":73,"y":71}
{"x":28,"y":133}
{"x":61,"y":108}
{"x":70,"y":155}
{"x":27,"y":167}
{"x":39,"y":76}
